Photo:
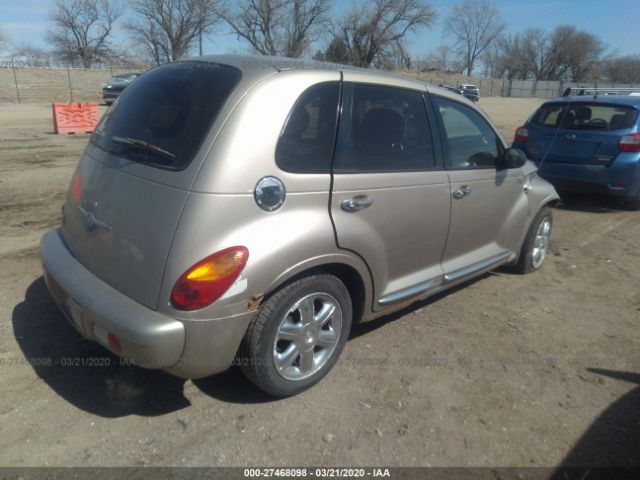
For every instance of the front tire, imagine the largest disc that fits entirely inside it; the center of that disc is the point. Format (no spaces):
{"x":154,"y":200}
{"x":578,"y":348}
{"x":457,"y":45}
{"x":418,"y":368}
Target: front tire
{"x":297,"y":335}
{"x":536,"y":244}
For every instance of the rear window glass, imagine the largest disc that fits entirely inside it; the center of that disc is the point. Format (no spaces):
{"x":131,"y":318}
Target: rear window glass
{"x":583,"y":116}
{"x":162,"y":118}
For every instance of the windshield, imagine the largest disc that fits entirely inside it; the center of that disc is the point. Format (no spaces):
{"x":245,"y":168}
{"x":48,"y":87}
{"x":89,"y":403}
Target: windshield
{"x":162,"y":118}
{"x":121,"y":79}
{"x":585,"y":116}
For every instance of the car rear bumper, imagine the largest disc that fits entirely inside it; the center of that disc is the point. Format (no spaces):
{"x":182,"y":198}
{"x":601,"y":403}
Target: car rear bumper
{"x":147,"y":338}
{"x":618,"y":180}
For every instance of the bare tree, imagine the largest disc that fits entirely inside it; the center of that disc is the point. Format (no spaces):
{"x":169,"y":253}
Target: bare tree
{"x":585,"y":52}
{"x":572,"y":54}
{"x":513,"y":56}
{"x":564,"y":54}
{"x":557,"y":61}
{"x":623,"y":69}
{"x":278,"y":27}
{"x":474,"y":25}
{"x":375,"y":33}
{"x":82,"y":30}
{"x":168,"y":28}
{"x":539,"y":39}
{"x":336,"y":52}
{"x":32,"y":55}
{"x":444,"y":59}
{"x":155,"y":44}
{"x":129,"y":57}
{"x":4,"y":39}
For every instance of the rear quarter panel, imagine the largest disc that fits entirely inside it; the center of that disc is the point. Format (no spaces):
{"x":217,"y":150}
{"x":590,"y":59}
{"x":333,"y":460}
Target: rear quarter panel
{"x":281,"y":244}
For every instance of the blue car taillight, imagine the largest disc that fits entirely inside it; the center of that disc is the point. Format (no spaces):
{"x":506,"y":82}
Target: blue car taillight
{"x":522,"y":135}
{"x":630,"y":143}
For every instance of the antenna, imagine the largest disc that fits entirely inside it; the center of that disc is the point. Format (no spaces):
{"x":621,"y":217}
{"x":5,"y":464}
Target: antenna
{"x":562,"y":115}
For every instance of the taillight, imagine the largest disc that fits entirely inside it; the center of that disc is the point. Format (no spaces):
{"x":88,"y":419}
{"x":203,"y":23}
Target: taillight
{"x":206,"y":281}
{"x":630,"y":143}
{"x":114,"y":343}
{"x":522,"y":135}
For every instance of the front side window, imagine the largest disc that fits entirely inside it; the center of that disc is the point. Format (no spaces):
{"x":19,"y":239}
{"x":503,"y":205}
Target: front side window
{"x":471,"y":140}
{"x":306,"y":142}
{"x":388,"y":131}
{"x":162,"y":118}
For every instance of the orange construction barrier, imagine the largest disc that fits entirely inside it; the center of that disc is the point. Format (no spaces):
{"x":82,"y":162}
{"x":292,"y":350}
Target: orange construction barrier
{"x":75,"y":117}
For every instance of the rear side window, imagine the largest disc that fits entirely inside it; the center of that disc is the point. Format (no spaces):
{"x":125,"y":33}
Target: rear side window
{"x":584,"y":116}
{"x":388,"y":131}
{"x":162,"y":118}
{"x":306,"y":142}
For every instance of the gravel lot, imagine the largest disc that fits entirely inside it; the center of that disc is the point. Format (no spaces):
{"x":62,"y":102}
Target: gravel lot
{"x":509,"y":370}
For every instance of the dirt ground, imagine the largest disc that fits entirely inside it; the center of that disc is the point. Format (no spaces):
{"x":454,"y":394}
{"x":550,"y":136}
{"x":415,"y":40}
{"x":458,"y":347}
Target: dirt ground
{"x":509,"y":370}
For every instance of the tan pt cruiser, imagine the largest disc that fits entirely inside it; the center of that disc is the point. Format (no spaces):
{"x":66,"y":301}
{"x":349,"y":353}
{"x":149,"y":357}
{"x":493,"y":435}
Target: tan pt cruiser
{"x":240,"y":210}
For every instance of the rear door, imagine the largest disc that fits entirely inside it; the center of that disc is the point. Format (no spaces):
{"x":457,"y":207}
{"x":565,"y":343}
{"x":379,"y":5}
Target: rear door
{"x":390,"y":199}
{"x":489,"y":207}
{"x":131,"y":185}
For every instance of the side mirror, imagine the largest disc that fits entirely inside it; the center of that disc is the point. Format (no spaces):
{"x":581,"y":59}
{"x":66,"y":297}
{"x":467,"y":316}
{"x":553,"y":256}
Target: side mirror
{"x":513,"y":158}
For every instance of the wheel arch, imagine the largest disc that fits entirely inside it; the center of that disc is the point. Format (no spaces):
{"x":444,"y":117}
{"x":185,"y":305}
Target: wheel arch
{"x":549,"y":202}
{"x":349,"y":271}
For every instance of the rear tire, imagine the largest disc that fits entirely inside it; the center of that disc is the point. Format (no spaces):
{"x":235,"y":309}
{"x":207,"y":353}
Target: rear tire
{"x":536,"y":244}
{"x":297,"y":335}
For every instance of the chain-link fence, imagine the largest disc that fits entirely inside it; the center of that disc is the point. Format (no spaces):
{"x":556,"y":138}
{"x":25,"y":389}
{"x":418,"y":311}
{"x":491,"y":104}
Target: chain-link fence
{"x":20,"y":83}
{"x":489,"y":87}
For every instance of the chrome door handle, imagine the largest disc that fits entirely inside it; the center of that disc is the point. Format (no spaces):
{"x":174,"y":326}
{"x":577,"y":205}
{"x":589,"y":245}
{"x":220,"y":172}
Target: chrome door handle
{"x":357,"y":203}
{"x":461,"y":192}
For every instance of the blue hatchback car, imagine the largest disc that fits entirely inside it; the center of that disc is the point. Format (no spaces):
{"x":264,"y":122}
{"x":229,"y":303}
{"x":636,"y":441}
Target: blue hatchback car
{"x":587,"y":144}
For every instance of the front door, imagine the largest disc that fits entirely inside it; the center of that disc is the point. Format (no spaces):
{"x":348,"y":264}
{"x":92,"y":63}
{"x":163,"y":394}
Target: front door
{"x":390,"y":199}
{"x":488,"y":203}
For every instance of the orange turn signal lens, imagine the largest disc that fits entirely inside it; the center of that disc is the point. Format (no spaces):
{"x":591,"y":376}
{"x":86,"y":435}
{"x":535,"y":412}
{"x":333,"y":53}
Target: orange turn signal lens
{"x":206,"y":281}
{"x":217,"y":267}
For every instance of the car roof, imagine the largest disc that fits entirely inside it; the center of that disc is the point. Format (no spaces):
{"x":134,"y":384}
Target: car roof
{"x":629,"y":100}
{"x":260,"y":66}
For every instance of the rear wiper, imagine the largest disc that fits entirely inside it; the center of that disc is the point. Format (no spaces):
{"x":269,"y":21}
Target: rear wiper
{"x":134,"y":142}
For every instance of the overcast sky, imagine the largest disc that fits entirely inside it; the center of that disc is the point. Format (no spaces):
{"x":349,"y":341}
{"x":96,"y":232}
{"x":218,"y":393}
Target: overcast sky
{"x":614,"y":21}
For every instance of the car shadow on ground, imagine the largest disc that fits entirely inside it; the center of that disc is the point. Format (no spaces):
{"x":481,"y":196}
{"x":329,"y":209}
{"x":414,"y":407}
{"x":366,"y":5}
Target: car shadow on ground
{"x":591,"y":203}
{"x":613,"y":439}
{"x":90,"y":377}
{"x":232,"y":387}
{"x":93,"y":379}
{"x":371,"y":325}
{"x":82,"y":372}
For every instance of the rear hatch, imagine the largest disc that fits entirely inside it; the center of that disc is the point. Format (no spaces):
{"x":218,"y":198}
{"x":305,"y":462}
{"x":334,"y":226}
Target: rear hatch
{"x":579,"y":133}
{"x":130,"y":187}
